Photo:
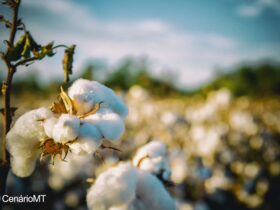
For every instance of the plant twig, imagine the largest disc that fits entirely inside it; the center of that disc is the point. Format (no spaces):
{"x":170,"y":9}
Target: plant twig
{"x":6,"y":91}
{"x":25,"y":61}
{"x":6,"y":85}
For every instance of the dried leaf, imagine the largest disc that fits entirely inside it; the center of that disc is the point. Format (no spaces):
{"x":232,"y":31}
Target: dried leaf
{"x":64,"y":104}
{"x":58,"y":107}
{"x":67,"y":62}
{"x":12,"y":109}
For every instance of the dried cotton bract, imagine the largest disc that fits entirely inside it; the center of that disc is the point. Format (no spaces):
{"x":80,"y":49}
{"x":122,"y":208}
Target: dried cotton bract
{"x":78,"y":122}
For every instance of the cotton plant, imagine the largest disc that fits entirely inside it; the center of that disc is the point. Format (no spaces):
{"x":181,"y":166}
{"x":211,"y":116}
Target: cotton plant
{"x":78,"y":122}
{"x":128,"y":186}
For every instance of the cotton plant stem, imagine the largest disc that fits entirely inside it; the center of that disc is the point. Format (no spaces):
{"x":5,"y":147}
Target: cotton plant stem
{"x":7,"y":84}
{"x":6,"y":92}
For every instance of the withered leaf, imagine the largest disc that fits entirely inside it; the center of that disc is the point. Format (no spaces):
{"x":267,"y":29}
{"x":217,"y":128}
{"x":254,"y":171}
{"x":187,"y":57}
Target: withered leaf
{"x":12,"y":109}
{"x":67,"y":62}
{"x":58,"y":107}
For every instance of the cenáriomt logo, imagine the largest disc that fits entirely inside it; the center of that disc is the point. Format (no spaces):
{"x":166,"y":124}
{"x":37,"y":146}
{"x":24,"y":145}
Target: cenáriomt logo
{"x":23,"y":199}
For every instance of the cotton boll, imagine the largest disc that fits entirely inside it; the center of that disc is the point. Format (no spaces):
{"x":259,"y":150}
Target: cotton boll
{"x":125,"y":187}
{"x":88,"y":132}
{"x":23,"y":157}
{"x":152,"y":157}
{"x":23,"y":140}
{"x":109,"y":123}
{"x":66,"y":129}
{"x":49,"y":126}
{"x":113,"y":188}
{"x":153,"y":149}
{"x":29,"y":125}
{"x":151,"y":194}
{"x":86,"y":94}
{"x":81,"y":94}
{"x":88,"y":141}
{"x":23,"y":166}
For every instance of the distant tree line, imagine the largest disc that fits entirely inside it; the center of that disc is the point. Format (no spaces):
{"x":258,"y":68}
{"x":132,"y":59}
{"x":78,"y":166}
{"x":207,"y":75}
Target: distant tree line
{"x":257,"y":81}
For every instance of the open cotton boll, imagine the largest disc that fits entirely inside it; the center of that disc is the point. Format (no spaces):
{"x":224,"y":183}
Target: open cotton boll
{"x":49,"y":125}
{"x":152,"y":149}
{"x":152,"y":157}
{"x":110,"y":124}
{"x":88,"y":141}
{"x":151,"y":194}
{"x":23,"y":156}
{"x":23,"y":166}
{"x":66,"y":129}
{"x":86,"y":94}
{"x":125,"y":187}
{"x":30,"y":126}
{"x":113,"y":188}
{"x":24,"y":138}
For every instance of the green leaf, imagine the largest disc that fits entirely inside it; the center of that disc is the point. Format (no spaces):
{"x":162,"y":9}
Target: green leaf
{"x":26,"y":53}
{"x":48,"y":49}
{"x":15,"y":53}
{"x":34,"y":47}
{"x":68,"y":62}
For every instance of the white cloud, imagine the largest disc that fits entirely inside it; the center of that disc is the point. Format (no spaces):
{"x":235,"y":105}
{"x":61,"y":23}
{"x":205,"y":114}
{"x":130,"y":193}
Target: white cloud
{"x":257,"y":7}
{"x":192,"y":56}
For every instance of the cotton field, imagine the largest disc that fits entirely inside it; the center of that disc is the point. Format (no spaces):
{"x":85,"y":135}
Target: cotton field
{"x":188,"y":153}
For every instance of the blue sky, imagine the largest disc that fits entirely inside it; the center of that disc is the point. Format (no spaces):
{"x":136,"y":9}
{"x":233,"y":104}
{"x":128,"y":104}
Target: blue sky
{"x":191,"y":38}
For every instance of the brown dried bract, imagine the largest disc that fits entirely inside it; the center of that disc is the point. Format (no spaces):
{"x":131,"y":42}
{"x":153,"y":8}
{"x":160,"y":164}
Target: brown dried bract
{"x":64,"y":104}
{"x":49,"y":147}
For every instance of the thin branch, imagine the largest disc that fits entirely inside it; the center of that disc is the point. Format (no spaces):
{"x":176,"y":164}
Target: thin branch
{"x":14,"y":24}
{"x":25,"y":61}
{"x":60,"y":45}
{"x":6,"y":85}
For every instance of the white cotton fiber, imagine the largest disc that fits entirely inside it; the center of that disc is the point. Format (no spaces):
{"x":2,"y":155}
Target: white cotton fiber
{"x":113,"y":188}
{"x":23,"y":167}
{"x":125,"y":187}
{"x":49,"y":125}
{"x":24,"y":138}
{"x":153,"y":149}
{"x":152,"y":157}
{"x":151,"y":193}
{"x":88,"y":132}
{"x":88,"y":141}
{"x":30,"y":124}
{"x":66,"y":129}
{"x":110,"y":124}
{"x":86,"y":94}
